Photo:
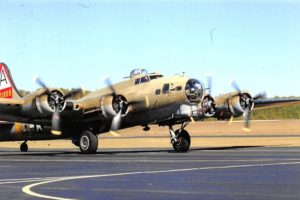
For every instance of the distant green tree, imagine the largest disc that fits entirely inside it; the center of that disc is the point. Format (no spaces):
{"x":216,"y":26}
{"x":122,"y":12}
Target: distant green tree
{"x":23,"y":92}
{"x":285,"y":112}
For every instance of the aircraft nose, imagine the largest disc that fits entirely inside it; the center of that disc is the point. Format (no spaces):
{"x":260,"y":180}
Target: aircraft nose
{"x":194,"y":90}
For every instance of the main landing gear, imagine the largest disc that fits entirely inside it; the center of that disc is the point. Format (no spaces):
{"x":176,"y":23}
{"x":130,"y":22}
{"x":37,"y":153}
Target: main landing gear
{"x":88,"y":142}
{"x":180,"y":139}
{"x":24,"y":147}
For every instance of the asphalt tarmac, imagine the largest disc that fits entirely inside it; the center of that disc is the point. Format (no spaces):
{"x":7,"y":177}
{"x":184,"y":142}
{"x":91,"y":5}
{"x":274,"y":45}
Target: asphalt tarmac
{"x":211,"y":173}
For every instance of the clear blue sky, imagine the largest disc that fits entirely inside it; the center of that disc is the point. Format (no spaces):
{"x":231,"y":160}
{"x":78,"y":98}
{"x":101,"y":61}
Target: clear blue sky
{"x":73,"y":43}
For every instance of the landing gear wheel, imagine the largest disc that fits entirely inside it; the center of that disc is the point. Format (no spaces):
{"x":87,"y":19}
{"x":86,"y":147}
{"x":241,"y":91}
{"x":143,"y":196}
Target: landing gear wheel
{"x":184,"y":141}
{"x":88,"y":142}
{"x":24,"y":147}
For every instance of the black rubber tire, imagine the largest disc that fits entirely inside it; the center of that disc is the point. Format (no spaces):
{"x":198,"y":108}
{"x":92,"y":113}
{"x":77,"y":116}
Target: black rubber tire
{"x":24,"y":147}
{"x":184,"y":141}
{"x":88,"y":142}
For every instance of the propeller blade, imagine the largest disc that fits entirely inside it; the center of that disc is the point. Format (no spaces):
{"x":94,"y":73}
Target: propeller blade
{"x":231,"y":120}
{"x":55,"y":129}
{"x":110,"y":85}
{"x":114,"y":133}
{"x":192,"y":120}
{"x":262,"y":95}
{"x":116,"y":122}
{"x":247,"y":120}
{"x":41,"y":83}
{"x":73,"y":93}
{"x":236,"y":87}
{"x":209,"y":84}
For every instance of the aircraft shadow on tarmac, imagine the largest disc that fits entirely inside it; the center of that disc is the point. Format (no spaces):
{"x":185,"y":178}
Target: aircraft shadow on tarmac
{"x":41,"y":152}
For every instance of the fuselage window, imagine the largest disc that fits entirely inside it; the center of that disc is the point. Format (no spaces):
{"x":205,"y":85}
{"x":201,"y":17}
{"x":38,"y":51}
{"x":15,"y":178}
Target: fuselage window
{"x":178,"y":88}
{"x":157,"y":92}
{"x":166,"y":88}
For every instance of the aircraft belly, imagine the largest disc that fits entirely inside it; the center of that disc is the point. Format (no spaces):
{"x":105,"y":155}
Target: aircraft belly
{"x":9,"y":113}
{"x":21,"y":132}
{"x":150,"y":116}
{"x":10,"y":118}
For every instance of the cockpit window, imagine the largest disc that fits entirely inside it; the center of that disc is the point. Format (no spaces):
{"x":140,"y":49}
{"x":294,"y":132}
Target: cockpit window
{"x":144,"y":79}
{"x":138,"y":72}
{"x":152,"y":77}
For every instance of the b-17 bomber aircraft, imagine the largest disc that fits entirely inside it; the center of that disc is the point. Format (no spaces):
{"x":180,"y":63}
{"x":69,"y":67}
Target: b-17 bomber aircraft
{"x":142,"y":99}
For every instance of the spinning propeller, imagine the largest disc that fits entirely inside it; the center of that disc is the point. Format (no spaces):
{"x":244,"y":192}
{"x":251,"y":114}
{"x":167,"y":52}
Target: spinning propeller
{"x":208,"y":103}
{"x":247,"y":103}
{"x":56,"y":101}
{"x":120,"y":106}
{"x":209,"y":84}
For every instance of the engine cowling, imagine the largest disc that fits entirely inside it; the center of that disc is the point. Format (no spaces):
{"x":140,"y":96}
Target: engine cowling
{"x":234,"y":105}
{"x":112,"y":105}
{"x":206,"y":108}
{"x":46,"y":104}
{"x":42,"y":104}
{"x":239,"y":104}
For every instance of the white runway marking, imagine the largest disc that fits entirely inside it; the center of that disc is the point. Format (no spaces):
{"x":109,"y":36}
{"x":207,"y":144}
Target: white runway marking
{"x":241,"y":121}
{"x":28,"y":189}
{"x":24,"y":180}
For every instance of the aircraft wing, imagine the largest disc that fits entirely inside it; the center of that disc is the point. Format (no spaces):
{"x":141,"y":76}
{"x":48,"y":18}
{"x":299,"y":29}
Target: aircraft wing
{"x":11,"y":101}
{"x":275,"y":102}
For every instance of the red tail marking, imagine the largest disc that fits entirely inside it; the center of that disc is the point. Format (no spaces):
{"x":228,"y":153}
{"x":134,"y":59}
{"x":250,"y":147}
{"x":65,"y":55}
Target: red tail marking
{"x":6,"y":90}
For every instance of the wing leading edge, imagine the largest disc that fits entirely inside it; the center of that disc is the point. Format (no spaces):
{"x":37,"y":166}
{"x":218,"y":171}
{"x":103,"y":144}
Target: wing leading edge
{"x":275,"y":102}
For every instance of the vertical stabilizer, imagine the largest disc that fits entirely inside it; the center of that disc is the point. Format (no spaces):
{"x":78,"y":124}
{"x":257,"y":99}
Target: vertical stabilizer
{"x":8,"y":89}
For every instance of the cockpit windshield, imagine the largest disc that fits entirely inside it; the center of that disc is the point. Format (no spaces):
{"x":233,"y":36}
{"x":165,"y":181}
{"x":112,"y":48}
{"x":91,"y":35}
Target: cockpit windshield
{"x":142,"y":76}
{"x":137,"y":72}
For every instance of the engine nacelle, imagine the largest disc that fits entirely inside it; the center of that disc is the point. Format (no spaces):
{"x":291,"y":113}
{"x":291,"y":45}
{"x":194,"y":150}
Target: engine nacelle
{"x":47,"y":104}
{"x":112,"y":105}
{"x":208,"y":106}
{"x":234,"y":105}
{"x":44,"y":104}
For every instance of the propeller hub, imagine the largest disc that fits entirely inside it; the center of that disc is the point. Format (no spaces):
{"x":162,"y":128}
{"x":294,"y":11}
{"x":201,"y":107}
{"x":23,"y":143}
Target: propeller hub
{"x":56,"y":100}
{"x":120,"y":104}
{"x":246,"y":101}
{"x":208,"y":106}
